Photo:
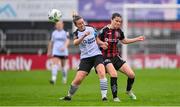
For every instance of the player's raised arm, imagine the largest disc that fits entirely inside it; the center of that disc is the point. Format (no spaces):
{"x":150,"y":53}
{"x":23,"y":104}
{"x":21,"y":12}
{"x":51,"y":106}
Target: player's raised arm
{"x":79,"y":23}
{"x":132,"y":40}
{"x":77,"y":40}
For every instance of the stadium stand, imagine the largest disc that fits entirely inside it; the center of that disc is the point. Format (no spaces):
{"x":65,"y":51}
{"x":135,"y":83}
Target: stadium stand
{"x":26,"y":41}
{"x":33,"y":38}
{"x":27,"y":37}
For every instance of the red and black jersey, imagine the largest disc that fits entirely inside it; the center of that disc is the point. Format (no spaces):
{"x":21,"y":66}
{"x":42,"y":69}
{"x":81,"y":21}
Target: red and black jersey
{"x":112,"y":37}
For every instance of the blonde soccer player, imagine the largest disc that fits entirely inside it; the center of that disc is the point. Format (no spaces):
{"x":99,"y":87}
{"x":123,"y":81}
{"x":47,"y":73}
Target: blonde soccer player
{"x":58,"y":52}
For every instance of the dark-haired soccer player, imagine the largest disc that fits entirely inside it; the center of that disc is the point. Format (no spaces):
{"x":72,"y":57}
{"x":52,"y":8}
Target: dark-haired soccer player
{"x":112,"y":34}
{"x":91,"y":56}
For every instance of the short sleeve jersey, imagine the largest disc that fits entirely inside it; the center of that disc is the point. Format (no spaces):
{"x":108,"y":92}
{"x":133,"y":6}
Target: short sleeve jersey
{"x":59,"y":38}
{"x":88,"y":46}
{"x":112,"y":37}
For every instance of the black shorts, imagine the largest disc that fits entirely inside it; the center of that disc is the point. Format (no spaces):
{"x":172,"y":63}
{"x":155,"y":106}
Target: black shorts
{"x":117,"y":62}
{"x":60,"y":57}
{"x":87,"y":63}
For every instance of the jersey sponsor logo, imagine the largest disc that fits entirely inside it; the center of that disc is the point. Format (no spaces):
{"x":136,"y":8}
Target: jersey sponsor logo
{"x":107,"y":61}
{"x":84,"y":42}
{"x":110,"y":40}
{"x":88,"y":41}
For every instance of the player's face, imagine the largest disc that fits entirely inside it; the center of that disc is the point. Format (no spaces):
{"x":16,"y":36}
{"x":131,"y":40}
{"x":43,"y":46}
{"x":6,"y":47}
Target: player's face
{"x":116,"y":22}
{"x":80,"y":24}
{"x":59,"y":25}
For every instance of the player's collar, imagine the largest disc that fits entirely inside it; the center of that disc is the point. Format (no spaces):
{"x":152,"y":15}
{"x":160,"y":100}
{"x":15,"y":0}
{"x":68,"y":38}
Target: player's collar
{"x":110,"y":27}
{"x":82,"y":30}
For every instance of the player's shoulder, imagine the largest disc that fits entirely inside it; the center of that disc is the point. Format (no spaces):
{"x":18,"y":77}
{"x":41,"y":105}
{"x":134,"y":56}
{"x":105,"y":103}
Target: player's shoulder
{"x":63,"y":30}
{"x":104,"y":29}
{"x":120,"y":30}
{"x":75,"y":32}
{"x":89,"y":27}
{"x":57,"y":32}
{"x":65,"y":33}
{"x":54,"y":32}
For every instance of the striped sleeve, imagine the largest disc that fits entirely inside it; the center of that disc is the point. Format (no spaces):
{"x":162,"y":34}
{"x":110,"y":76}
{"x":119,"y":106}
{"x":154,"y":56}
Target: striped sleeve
{"x":101,"y":33}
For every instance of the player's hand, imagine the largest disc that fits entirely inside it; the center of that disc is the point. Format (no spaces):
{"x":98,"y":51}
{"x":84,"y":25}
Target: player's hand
{"x":62,"y":49}
{"x":141,"y":38}
{"x":86,"y":34}
{"x":104,"y":45}
{"x":49,"y":54}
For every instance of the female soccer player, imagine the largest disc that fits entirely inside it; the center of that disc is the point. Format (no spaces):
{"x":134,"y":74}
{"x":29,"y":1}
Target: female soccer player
{"x":112,"y":72}
{"x":58,"y":51}
{"x":91,"y":56}
{"x":112,"y":34}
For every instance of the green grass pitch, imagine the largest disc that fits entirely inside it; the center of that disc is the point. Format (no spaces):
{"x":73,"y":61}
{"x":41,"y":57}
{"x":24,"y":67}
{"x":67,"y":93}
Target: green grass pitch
{"x":153,"y":87}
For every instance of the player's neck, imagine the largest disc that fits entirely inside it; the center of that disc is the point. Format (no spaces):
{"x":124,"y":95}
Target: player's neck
{"x":82,"y":30}
{"x":59,"y":29}
{"x":110,"y":26}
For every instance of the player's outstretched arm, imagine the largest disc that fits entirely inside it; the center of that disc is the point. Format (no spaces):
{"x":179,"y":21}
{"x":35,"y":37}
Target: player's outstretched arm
{"x":137,"y":39}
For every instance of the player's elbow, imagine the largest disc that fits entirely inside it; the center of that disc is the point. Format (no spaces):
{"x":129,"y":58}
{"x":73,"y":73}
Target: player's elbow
{"x":68,"y":42}
{"x":124,"y":42}
{"x":75,"y":43}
